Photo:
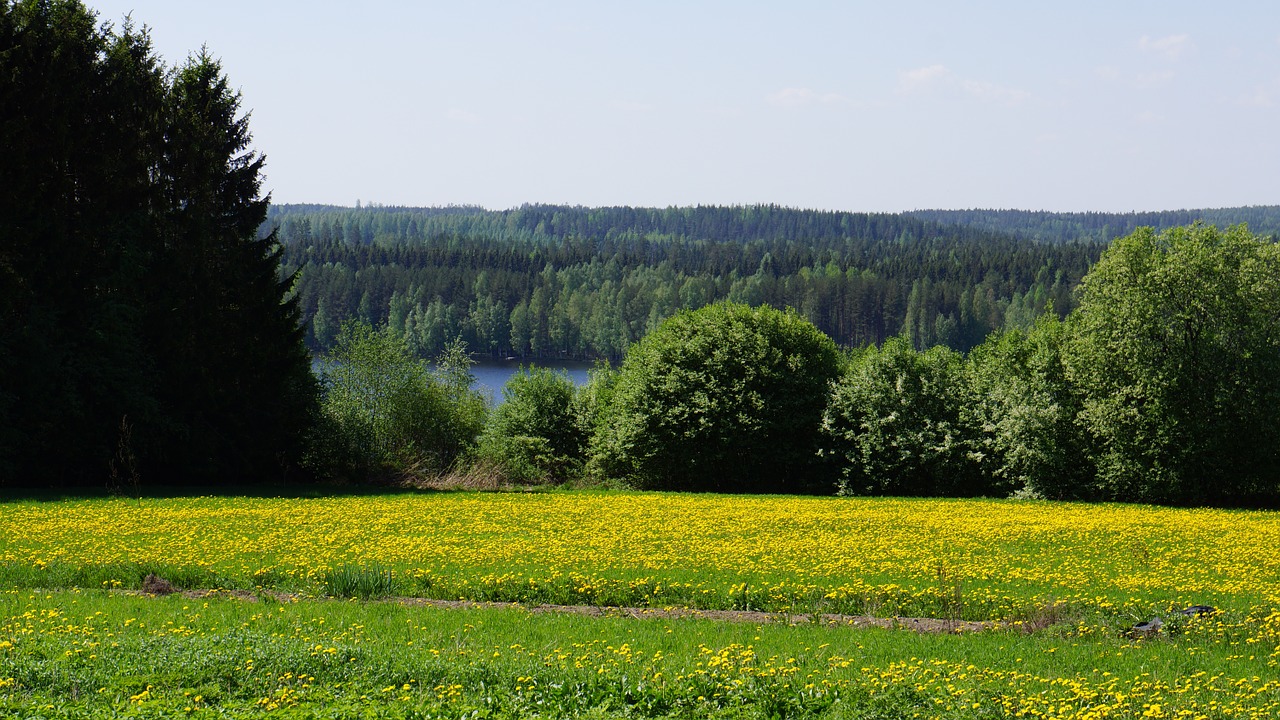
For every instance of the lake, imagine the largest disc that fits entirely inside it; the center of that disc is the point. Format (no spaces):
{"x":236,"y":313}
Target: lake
{"x":491,"y":375}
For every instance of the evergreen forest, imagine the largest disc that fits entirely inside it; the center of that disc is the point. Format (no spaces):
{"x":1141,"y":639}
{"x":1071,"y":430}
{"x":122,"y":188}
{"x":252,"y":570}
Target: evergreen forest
{"x":557,"y":281}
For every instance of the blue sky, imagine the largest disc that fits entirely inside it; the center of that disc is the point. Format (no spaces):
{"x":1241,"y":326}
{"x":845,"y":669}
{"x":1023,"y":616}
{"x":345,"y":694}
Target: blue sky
{"x":863,"y":106}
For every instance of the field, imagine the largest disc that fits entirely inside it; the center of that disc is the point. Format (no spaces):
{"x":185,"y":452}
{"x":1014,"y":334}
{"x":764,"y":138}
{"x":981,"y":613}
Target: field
{"x":1064,"y":583}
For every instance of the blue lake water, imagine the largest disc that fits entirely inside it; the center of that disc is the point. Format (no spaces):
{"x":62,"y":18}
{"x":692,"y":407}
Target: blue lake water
{"x":491,"y":375}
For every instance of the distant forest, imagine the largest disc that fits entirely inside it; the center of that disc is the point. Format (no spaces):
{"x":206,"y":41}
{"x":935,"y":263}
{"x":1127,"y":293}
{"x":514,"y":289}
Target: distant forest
{"x":1102,"y":227}
{"x":558,"y":281}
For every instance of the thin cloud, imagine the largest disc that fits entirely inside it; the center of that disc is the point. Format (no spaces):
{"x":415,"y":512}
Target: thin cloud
{"x":1263,"y":96}
{"x":1170,"y":46}
{"x":800,"y":97}
{"x":925,"y":78}
{"x":1137,"y":81}
{"x":912,"y":80}
{"x":459,"y":115}
{"x":1149,"y":117}
{"x":994,"y":93}
{"x":1153,"y":80}
{"x":631,"y":106}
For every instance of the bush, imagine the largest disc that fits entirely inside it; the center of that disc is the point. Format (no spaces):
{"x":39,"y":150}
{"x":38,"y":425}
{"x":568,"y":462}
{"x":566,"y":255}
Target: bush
{"x":895,"y":423}
{"x":1028,"y":410}
{"x":725,"y":398}
{"x":533,"y":435}
{"x":592,"y":399}
{"x":385,"y":412}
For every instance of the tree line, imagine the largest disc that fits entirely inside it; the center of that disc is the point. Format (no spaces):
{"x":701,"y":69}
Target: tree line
{"x":1044,"y":226}
{"x":550,"y":281}
{"x":1162,"y":385}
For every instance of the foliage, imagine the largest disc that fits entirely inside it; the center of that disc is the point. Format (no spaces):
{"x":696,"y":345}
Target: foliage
{"x":1027,"y":409}
{"x":897,"y":424}
{"x":592,"y":399}
{"x":1175,"y":350}
{"x":387,"y":412}
{"x":725,"y":398}
{"x":533,"y":436}
{"x":588,"y":282}
{"x":134,"y":289}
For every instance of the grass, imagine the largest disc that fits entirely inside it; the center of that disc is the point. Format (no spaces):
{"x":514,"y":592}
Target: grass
{"x":359,"y":582}
{"x":971,"y":560}
{"x":1078,"y":576}
{"x":99,"y":654}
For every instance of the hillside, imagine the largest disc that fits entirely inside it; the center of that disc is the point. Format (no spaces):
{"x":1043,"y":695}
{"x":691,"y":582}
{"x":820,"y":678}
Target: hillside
{"x":563,"y":281}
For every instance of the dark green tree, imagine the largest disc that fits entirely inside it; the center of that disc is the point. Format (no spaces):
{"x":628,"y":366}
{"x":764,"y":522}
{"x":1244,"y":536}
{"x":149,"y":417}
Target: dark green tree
{"x":82,"y":132}
{"x":1175,"y":349}
{"x":142,"y":315}
{"x":726,"y":398}
{"x":235,"y":375}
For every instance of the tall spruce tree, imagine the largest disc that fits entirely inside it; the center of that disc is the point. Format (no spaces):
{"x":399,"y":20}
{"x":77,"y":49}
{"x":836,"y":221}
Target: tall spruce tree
{"x":142,"y":328}
{"x":234,"y":371}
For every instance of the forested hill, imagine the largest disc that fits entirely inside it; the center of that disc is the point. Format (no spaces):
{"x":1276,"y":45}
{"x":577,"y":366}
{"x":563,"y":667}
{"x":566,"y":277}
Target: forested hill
{"x":561,"y":281}
{"x":1046,"y":226}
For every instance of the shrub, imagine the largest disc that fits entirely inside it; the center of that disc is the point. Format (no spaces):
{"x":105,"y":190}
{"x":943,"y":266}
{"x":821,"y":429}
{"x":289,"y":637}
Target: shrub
{"x":726,"y":398}
{"x":385,"y":412}
{"x":1027,"y":409}
{"x":592,"y":399}
{"x":895,"y":423}
{"x":533,"y":435}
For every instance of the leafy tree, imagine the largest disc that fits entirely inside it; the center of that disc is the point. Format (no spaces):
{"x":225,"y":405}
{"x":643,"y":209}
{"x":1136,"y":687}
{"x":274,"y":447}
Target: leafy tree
{"x":532,"y":436}
{"x":387,"y":414}
{"x":592,"y":399}
{"x":1175,"y":349}
{"x":1027,"y":409}
{"x":897,"y":426}
{"x":726,"y":398}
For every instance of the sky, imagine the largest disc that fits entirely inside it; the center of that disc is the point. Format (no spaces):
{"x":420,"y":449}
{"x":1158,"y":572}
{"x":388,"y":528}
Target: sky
{"x":861,"y":106}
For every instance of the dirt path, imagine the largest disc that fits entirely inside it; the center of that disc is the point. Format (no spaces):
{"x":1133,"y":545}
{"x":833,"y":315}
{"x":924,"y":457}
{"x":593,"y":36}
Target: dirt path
{"x":922,"y":625}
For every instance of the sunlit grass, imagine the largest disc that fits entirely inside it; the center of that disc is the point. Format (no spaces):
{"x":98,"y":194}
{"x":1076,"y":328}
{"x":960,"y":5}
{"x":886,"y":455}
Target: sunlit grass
{"x":972,"y":559}
{"x":93,"y":653}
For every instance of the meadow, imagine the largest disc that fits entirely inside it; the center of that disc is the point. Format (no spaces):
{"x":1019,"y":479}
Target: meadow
{"x":256,"y":635}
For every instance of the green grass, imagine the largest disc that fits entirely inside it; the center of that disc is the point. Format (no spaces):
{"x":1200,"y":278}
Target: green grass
{"x":98,"y":654}
{"x":1081,"y":574}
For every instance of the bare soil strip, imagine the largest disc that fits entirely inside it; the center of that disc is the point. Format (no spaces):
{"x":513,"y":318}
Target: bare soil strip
{"x":921,"y":625}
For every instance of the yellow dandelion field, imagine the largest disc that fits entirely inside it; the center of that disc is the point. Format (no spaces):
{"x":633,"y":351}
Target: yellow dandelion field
{"x":992,"y":558}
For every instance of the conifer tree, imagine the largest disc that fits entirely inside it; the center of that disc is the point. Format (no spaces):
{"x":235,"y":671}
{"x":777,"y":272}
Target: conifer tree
{"x":140,"y":314}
